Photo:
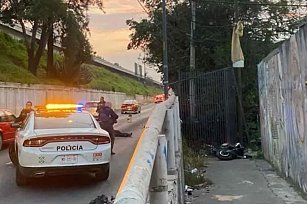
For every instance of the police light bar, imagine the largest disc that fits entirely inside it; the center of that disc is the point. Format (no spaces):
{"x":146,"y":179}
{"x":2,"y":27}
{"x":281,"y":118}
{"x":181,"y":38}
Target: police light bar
{"x":63,"y":106}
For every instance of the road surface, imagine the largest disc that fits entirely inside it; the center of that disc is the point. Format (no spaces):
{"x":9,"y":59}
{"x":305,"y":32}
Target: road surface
{"x":244,"y":181}
{"x":74,"y":189}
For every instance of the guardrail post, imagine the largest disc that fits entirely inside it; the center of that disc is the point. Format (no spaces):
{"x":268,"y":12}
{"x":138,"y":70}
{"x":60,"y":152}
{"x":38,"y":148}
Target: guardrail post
{"x":170,"y":136}
{"x":158,"y":185}
{"x":180,"y":154}
{"x":175,"y":119}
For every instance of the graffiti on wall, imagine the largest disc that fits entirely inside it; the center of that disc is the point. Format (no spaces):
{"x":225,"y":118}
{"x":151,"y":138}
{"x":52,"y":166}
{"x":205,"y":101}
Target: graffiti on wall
{"x":283,"y":107}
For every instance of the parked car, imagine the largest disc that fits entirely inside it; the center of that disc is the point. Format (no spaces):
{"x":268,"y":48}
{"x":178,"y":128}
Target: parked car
{"x":159,"y":98}
{"x":60,"y":140}
{"x":130,"y":106}
{"x":91,"y":106}
{"x":7,"y":133}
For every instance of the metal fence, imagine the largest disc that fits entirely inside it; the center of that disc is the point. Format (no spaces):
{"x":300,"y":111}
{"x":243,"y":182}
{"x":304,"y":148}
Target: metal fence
{"x":208,"y":106}
{"x":155,"y":172}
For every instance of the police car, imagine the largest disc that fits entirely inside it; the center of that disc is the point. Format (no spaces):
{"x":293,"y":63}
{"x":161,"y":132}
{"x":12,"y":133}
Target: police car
{"x":60,"y":139}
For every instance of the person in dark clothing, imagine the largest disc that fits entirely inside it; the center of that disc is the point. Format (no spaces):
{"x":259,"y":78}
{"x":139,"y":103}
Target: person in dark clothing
{"x":100,"y":104}
{"x":24,"y":113}
{"x":107,"y":118}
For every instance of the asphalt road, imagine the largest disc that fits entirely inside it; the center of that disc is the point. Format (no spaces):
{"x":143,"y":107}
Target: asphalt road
{"x":74,"y":189}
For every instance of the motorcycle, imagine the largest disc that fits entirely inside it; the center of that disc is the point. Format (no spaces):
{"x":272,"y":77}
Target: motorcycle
{"x":229,"y":152}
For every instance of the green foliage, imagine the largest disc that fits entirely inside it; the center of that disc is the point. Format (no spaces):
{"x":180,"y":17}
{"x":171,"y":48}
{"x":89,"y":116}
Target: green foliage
{"x":191,"y":160}
{"x":10,"y":72}
{"x":194,"y":179}
{"x":76,"y":49}
{"x":106,"y":80}
{"x":259,"y":155}
{"x":46,"y":17}
{"x":13,"y":63}
{"x":263,"y":25}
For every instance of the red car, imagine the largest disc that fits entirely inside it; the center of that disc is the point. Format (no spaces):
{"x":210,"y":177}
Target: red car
{"x":130,"y":106}
{"x":7,"y":133}
{"x":159,"y":98}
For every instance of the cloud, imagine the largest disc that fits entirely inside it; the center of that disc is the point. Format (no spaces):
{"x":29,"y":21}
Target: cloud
{"x":110,"y":41}
{"x":111,"y":21}
{"x":119,"y":7}
{"x":110,"y":34}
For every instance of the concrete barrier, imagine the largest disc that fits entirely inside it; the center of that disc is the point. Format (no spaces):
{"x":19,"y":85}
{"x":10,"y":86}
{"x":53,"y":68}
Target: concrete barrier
{"x":13,"y":96}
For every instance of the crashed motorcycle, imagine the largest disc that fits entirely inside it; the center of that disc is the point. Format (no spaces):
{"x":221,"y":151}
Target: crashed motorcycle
{"x":229,"y":152}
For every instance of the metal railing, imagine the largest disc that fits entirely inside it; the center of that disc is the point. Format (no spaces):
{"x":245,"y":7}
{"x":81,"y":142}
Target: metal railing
{"x":155,"y":171}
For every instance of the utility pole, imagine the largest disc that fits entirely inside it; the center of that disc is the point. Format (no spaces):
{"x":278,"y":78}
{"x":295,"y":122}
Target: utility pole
{"x":165,"y":61}
{"x":239,"y":82}
{"x":192,"y":61}
{"x":192,"y":48}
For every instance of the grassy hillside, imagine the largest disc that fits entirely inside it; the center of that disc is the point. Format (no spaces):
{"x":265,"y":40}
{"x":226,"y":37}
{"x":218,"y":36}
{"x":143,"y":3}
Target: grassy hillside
{"x":13,"y":63}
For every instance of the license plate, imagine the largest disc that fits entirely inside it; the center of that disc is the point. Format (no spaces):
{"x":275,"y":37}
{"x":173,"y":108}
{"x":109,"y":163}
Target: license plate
{"x":97,"y":156}
{"x":69,"y":159}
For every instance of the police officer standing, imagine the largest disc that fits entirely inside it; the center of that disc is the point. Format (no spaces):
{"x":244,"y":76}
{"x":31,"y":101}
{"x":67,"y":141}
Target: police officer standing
{"x":107,"y":118}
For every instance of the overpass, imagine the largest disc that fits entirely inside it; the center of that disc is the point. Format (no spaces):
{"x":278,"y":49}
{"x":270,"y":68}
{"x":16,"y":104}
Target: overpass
{"x":15,"y":31}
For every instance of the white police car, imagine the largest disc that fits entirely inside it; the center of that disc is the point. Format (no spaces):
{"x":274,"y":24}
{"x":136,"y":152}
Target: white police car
{"x":60,"y":140}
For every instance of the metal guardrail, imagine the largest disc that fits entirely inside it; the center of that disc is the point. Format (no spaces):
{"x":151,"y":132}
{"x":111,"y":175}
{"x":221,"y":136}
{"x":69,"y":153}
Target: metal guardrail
{"x":156,"y":164}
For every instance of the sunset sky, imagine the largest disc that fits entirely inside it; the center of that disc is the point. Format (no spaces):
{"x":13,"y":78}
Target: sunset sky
{"x":110,"y":34}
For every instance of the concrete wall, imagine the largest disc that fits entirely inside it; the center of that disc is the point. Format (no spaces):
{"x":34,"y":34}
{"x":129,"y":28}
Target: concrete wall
{"x":283,"y":105}
{"x":13,"y":96}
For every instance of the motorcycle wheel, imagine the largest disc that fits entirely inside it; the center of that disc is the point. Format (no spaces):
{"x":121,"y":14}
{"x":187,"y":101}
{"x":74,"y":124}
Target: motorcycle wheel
{"x":223,"y":155}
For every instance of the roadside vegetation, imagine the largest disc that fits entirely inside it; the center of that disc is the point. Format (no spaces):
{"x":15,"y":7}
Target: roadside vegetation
{"x":266,"y":24}
{"x":67,"y":24}
{"x":195,"y":164}
{"x":13,"y":68}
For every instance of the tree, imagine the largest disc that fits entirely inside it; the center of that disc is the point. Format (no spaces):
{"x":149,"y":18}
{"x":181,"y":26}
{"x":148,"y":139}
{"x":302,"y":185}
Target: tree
{"x":44,"y":18}
{"x":265,"y":24}
{"x":76,"y":49}
{"x":38,"y":14}
{"x":79,"y":9}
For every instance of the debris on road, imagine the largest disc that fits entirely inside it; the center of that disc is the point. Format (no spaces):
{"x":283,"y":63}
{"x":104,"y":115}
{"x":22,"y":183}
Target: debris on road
{"x":103,"y":199}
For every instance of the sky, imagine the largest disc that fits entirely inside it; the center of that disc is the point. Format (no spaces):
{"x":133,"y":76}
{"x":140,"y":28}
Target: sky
{"x":110,"y":34}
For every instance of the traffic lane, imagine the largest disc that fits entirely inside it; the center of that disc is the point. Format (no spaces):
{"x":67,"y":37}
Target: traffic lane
{"x":74,"y":189}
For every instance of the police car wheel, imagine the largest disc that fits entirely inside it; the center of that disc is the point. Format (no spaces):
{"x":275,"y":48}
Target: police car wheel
{"x":1,"y":141}
{"x":104,"y":174}
{"x":21,"y":180}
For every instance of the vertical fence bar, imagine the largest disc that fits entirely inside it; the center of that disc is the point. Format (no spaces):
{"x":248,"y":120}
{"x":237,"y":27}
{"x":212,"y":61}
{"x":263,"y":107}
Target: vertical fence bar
{"x":158,"y":184}
{"x":171,"y":165}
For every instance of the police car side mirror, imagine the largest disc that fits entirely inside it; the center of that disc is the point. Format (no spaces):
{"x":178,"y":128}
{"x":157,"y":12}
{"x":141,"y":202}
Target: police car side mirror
{"x":16,"y":125}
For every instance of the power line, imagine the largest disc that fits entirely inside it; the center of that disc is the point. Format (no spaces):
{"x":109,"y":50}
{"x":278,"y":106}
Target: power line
{"x":258,"y":4}
{"x":143,"y":7}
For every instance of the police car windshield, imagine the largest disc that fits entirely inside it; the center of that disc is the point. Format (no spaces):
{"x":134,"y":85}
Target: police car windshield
{"x":59,"y":120}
